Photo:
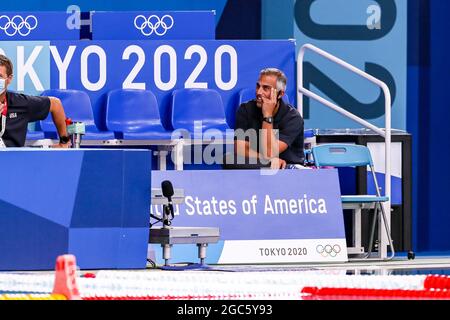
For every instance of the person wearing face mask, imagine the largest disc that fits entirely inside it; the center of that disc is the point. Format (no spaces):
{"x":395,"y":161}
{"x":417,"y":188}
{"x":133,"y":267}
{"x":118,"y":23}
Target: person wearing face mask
{"x":17,"y":110}
{"x":267,"y":128}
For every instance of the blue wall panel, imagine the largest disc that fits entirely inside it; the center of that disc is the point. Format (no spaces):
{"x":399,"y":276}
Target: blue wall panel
{"x":370,"y":35}
{"x":90,"y":203}
{"x":438,"y":135}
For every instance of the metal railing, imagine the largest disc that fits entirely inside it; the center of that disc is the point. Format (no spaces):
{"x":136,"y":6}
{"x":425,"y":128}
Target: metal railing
{"x":386,"y":134}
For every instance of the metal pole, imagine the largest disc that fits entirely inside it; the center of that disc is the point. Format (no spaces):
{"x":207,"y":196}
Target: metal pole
{"x":386,"y":133}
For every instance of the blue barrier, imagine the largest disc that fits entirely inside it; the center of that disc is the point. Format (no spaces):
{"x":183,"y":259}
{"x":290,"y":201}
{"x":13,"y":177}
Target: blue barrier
{"x":153,"y":25}
{"x":293,"y":212}
{"x":95,"y":205}
{"x":20,"y":26}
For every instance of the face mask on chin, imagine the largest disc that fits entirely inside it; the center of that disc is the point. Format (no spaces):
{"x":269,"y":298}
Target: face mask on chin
{"x":2,"y":86}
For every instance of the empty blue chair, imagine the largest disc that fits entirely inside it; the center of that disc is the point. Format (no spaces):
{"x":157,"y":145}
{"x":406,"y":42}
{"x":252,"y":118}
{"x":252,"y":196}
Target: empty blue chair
{"x":77,"y":106}
{"x":245,"y":95}
{"x":199,"y":110}
{"x":347,"y":155}
{"x":35,"y":134}
{"x":134,"y":115}
{"x":248,"y":94}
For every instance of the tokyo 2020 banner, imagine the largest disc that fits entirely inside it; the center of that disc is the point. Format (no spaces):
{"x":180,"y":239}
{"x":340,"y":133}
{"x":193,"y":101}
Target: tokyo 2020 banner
{"x":160,"y":66}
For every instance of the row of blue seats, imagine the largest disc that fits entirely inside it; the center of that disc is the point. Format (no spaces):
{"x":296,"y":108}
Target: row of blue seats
{"x":134,"y":114}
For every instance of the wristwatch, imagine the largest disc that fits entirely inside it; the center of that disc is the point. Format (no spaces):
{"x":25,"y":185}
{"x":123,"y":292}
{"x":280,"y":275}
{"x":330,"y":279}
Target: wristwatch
{"x":268,"y":119}
{"x":64,"y":139}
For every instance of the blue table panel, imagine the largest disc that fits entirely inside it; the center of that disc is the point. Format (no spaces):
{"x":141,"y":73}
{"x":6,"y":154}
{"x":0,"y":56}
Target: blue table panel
{"x":91,"y":203}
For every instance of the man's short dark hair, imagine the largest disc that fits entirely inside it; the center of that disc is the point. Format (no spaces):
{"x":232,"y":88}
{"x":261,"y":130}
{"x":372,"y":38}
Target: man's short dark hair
{"x":281,"y":77}
{"x":4,"y":61}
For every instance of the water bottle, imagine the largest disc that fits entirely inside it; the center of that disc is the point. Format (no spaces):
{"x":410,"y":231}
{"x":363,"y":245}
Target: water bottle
{"x":309,"y":143}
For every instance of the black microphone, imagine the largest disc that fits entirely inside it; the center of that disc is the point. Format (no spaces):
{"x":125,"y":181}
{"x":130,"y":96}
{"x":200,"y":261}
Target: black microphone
{"x":167,"y":191}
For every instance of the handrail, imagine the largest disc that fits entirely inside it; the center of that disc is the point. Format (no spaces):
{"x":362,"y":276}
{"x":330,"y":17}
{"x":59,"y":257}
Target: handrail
{"x":387,"y":130}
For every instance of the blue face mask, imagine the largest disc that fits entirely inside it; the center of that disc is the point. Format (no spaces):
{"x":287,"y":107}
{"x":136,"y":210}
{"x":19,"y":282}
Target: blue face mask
{"x":2,"y":85}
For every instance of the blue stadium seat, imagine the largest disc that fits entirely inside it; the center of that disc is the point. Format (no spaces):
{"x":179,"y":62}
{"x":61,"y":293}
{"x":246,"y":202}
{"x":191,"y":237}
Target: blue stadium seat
{"x":248,"y":94}
{"x":35,"y":134}
{"x":134,"y":115}
{"x":77,"y":106}
{"x":198,"y":110}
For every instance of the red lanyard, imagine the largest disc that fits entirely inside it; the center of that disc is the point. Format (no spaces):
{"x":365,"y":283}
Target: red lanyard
{"x":5,"y":109}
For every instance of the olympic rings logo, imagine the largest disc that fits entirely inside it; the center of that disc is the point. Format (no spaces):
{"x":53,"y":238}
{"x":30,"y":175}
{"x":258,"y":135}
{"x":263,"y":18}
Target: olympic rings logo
{"x":328,"y":250}
{"x":18,"y":24}
{"x":159,"y":26}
